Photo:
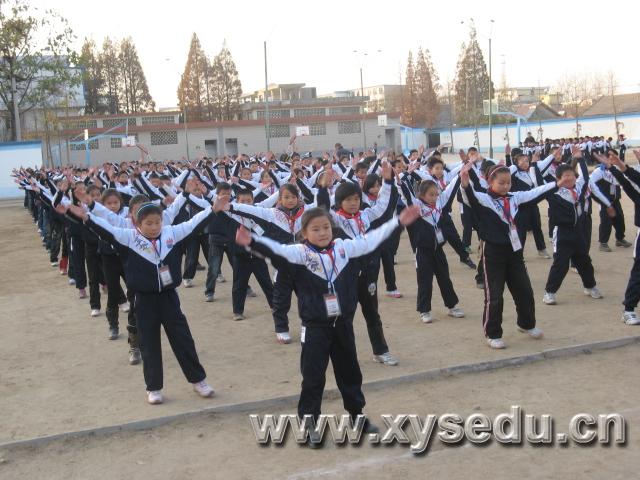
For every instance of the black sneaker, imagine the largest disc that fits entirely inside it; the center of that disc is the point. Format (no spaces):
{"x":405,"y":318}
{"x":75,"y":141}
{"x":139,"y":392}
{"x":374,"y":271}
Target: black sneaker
{"x":623,"y":243}
{"x":480,"y":285}
{"x":135,"y":357}
{"x":114,"y":333}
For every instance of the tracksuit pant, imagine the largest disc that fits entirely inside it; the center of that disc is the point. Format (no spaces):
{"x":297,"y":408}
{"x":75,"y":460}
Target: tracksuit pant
{"x":467,"y":225}
{"x":243,"y":267}
{"x":57,"y":233}
{"x":606,"y":222}
{"x":430,"y":262}
{"x":368,"y":299}
{"x":154,"y":310}
{"x":632,"y":293}
{"x":387,"y":253}
{"x":96,"y":276}
{"x":530,"y":216}
{"x":281,"y":301}
{"x":113,"y":272}
{"x":194,"y":244}
{"x":76,"y":261}
{"x":504,"y":266}
{"x":319,"y":344}
{"x":452,"y":237}
{"x":570,"y":247}
{"x":216,"y":252}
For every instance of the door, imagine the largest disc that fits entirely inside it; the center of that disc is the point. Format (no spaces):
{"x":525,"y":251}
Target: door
{"x":231,"y":146}
{"x":211,"y":148}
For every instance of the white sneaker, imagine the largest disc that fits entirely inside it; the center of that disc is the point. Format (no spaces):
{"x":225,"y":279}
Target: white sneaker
{"x":456,"y":312}
{"x":203,"y":389}
{"x":544,"y":254}
{"x":125,"y":307}
{"x":95,"y":312}
{"x":54,"y":264}
{"x":251,"y":293}
{"x":187,"y":282}
{"x":426,"y":317}
{"x":154,"y":397}
{"x":532,"y":332}
{"x":283,"y":337}
{"x":386,"y":359}
{"x":394,"y":294}
{"x":221,"y":279}
{"x":549,"y":298}
{"x":593,"y":292}
{"x":630,"y":318}
{"x":72,"y":281}
{"x":496,"y":343}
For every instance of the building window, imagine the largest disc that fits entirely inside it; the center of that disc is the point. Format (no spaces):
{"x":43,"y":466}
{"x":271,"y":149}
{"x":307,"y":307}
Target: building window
{"x":167,"y":137}
{"x":279,"y":131}
{"x":93,"y":145}
{"x":309,"y":112}
{"x":274,"y":114}
{"x":317,"y":129}
{"x":344,"y":111}
{"x":113,"y":122}
{"x":116,"y":142}
{"x":80,"y":124}
{"x":158,"y":120}
{"x":345,"y":128}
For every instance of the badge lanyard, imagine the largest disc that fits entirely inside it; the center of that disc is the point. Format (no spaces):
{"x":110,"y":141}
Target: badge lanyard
{"x":328,"y":276}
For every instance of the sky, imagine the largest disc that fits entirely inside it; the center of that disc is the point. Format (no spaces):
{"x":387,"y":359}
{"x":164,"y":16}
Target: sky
{"x":534,"y":43}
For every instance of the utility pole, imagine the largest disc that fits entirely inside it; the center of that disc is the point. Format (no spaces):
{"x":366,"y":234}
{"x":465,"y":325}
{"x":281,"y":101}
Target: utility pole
{"x":16,"y":111}
{"x":266,"y":100}
{"x":490,"y":103}
{"x":364,"y":126}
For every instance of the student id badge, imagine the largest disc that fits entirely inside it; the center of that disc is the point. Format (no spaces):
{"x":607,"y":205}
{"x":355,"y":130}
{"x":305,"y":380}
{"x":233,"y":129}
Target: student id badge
{"x":612,"y":190}
{"x":515,"y":238}
{"x":439,"y":235}
{"x":165,"y":276}
{"x":258,"y":229}
{"x":333,"y":307}
{"x":579,"y":210}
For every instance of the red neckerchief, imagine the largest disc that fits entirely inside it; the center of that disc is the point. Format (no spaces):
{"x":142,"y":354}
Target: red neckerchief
{"x":355,"y":217}
{"x":506,"y":207}
{"x":292,"y":216}
{"x":372,"y":197}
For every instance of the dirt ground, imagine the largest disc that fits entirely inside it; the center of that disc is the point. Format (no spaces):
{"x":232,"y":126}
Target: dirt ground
{"x":223,"y":446}
{"x":60,"y":373}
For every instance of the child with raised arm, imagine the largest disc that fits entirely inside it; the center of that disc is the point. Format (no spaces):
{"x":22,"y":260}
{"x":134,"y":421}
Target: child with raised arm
{"x":502,"y":258}
{"x":324,"y":272}
{"x":152,"y":257}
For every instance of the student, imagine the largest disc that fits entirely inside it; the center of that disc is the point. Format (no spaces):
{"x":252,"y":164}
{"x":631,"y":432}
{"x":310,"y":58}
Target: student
{"x":526,"y":176}
{"x":567,"y":207}
{"x":606,"y":191}
{"x":429,"y":240}
{"x":113,"y":272}
{"x":244,"y":263}
{"x":502,"y":258}
{"x":281,"y":224}
{"x":152,"y":257}
{"x":92,"y":258}
{"x":325,"y":276}
{"x":629,"y":179}
{"x":370,"y":189}
{"x":352,"y":222}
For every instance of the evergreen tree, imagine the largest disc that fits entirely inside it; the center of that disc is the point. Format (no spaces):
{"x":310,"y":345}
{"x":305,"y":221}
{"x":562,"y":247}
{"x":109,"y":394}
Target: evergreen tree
{"x":92,"y":78}
{"x":471,"y":84}
{"x":111,"y":87}
{"x":194,"y":83}
{"x":426,"y":88}
{"x":135,"y":91}
{"x":409,"y":97}
{"x":228,"y":89}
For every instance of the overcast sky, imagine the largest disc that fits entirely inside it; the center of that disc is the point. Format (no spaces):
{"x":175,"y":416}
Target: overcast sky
{"x":313,"y":42}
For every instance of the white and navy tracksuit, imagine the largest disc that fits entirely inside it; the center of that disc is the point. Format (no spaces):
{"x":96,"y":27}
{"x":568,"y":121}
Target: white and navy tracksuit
{"x":630,"y":181}
{"x":349,"y":226}
{"x":281,"y":225}
{"x":502,"y":262}
{"x":157,"y":304}
{"x":606,"y":191}
{"x":529,"y":215}
{"x":318,"y":272}
{"x":428,"y":238}
{"x":570,"y":241}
